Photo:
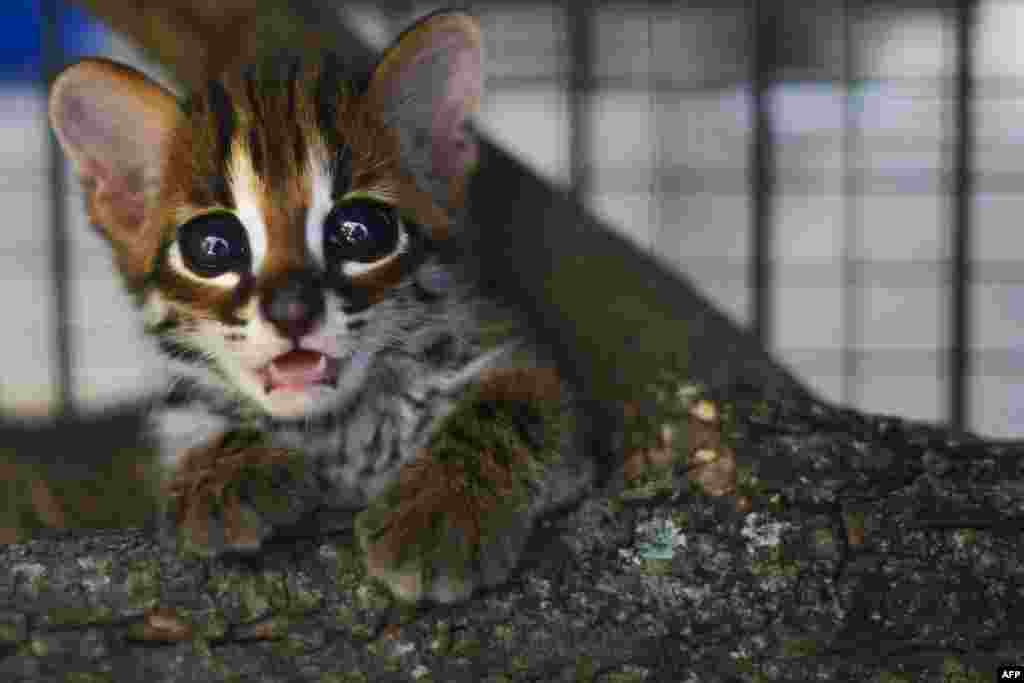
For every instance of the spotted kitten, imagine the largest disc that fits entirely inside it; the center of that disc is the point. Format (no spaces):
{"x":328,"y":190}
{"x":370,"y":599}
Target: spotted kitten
{"x":290,"y":238}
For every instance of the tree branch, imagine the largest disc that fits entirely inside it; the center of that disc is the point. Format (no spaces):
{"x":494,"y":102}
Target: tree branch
{"x":857,"y":549}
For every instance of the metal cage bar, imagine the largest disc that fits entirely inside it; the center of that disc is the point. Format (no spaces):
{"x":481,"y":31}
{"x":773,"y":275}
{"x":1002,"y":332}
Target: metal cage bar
{"x":850,"y":198}
{"x":580,"y":28}
{"x":761,"y":179}
{"x":960,"y":259}
{"x":53,"y":58}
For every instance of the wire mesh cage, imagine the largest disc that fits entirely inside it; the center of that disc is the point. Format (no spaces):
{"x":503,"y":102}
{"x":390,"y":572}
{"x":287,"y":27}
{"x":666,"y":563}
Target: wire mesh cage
{"x":839,"y":176}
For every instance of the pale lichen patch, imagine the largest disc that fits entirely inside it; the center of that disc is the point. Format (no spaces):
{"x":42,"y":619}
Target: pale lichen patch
{"x":33,"y":576}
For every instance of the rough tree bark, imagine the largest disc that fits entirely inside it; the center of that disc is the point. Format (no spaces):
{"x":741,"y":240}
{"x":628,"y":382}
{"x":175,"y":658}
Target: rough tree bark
{"x":854,"y":548}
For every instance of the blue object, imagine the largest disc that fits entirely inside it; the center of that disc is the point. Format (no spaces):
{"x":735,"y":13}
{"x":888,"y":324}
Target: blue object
{"x":660,"y":543}
{"x":21,"y":39}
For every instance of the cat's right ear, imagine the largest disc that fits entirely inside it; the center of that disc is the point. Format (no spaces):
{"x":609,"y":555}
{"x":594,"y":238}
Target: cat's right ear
{"x":428,"y":84}
{"x":114,"y":123}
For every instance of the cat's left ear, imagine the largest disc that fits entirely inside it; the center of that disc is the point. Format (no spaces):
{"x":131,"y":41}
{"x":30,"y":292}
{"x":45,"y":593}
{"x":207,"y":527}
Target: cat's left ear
{"x":114,"y":124}
{"x":428,"y":84}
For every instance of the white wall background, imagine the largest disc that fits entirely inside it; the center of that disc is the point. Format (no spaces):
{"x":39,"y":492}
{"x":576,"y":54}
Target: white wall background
{"x":897,"y":231}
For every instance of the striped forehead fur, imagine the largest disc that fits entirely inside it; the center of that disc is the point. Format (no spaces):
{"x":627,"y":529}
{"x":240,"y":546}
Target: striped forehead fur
{"x":279,"y":113}
{"x":292,"y":126}
{"x":269,"y":109}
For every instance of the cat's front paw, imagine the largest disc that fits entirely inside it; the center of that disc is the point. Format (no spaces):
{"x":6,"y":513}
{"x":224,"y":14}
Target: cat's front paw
{"x":443,"y":532}
{"x":459,"y":516}
{"x":229,"y":496}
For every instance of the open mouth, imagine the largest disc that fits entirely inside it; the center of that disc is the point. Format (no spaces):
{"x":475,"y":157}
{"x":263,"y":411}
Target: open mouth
{"x":300,"y":370}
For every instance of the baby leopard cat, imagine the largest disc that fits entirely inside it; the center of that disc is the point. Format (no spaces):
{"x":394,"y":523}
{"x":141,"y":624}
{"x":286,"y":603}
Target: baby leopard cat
{"x":288,"y":235}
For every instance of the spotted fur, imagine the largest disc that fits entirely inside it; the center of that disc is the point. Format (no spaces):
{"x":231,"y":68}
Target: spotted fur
{"x":268,"y":141}
{"x":407,"y":338}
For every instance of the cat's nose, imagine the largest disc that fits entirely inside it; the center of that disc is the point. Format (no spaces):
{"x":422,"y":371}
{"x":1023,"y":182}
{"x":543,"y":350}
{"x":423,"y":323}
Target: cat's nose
{"x":293,"y":304}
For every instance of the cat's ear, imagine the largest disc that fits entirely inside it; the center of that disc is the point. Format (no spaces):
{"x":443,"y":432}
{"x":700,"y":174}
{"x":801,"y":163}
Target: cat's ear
{"x":113,"y":123}
{"x":428,"y":84}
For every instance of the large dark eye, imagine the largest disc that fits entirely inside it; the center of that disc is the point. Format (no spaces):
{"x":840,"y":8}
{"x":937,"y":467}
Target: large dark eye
{"x":361,"y":230}
{"x":213,"y":244}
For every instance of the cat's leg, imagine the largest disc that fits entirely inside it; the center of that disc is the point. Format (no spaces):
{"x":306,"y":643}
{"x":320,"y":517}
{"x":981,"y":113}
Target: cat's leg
{"x":459,"y":516}
{"x":230,"y":494}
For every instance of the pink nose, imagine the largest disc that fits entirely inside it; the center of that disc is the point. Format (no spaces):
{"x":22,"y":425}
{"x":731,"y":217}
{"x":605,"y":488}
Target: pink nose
{"x":293,"y":304}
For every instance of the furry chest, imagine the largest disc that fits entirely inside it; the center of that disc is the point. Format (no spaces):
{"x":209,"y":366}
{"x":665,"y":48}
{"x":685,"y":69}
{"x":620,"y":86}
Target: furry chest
{"x":351,"y":456}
